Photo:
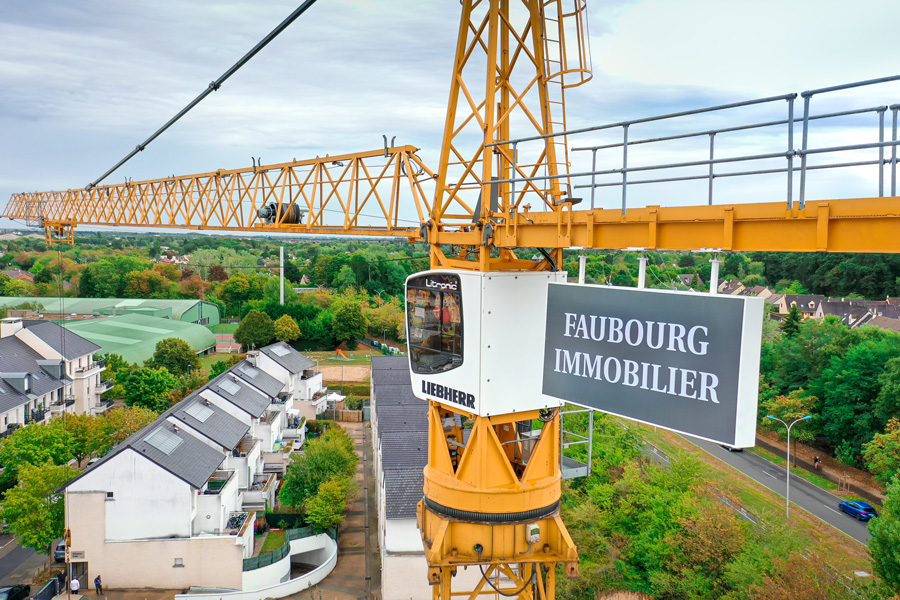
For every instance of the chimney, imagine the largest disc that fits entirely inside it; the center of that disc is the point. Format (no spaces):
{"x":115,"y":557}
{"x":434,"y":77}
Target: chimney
{"x":10,"y":326}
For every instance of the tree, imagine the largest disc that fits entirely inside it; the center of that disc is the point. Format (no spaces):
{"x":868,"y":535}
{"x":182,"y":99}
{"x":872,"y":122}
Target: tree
{"x":84,"y":435}
{"x":218,"y":273}
{"x":331,"y":455}
{"x":176,"y":355}
{"x":286,"y":329}
{"x":119,"y":424}
{"x":885,"y":539}
{"x":791,"y":407}
{"x":349,"y":323}
{"x":146,"y":387}
{"x":791,"y":324}
{"x":33,"y":509}
{"x":292,"y":273}
{"x":345,"y":278}
{"x":36,"y":444}
{"x":882,"y":454}
{"x":256,"y":329}
{"x":324,"y":509}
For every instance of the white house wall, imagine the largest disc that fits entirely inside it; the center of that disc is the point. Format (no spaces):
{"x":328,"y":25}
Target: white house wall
{"x":204,"y":561}
{"x":148,"y":501}
{"x":401,"y":536}
{"x":227,"y":406}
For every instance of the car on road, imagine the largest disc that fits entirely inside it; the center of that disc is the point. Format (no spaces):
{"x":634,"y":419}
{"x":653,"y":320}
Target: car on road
{"x":15,"y":592}
{"x":59,"y":553}
{"x":731,"y":448}
{"x":859,"y":509}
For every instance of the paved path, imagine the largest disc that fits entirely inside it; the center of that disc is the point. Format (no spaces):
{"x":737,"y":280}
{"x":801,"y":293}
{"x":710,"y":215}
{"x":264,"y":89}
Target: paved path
{"x":358,"y":571}
{"x":811,"y":498}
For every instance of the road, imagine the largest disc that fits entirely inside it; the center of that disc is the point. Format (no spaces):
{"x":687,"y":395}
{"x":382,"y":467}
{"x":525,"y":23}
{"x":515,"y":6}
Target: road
{"x":803,"y":494}
{"x":11,"y":556}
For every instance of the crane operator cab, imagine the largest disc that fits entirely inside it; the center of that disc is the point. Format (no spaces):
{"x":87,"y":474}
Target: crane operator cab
{"x":475,"y":339}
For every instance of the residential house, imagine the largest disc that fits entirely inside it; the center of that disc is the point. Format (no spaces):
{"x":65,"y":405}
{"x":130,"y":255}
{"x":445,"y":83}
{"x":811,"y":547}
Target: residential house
{"x":59,"y":354}
{"x":304,"y":393}
{"x":196,"y":478}
{"x":20,"y":275}
{"x":807,"y":303}
{"x":731,"y":288}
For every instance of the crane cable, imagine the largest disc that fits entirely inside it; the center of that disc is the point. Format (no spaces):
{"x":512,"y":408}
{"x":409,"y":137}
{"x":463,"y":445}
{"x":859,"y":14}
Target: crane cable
{"x":213,"y":86}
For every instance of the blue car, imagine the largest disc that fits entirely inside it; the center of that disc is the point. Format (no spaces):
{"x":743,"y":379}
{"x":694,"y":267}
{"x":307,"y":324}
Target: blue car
{"x":861,"y":510}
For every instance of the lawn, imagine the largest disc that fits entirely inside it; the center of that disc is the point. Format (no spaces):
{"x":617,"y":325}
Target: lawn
{"x":843,"y":552}
{"x":274,"y":541}
{"x":224,"y":328}
{"x":207,"y":361}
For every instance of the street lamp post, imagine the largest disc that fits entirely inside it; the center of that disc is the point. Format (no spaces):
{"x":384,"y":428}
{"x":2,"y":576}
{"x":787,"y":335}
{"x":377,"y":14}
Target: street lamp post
{"x":787,"y":495}
{"x":380,"y":301}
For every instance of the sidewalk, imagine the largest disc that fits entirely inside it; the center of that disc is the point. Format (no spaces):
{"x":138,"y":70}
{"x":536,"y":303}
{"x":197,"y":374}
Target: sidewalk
{"x":358,"y":571}
{"x":855,"y":480}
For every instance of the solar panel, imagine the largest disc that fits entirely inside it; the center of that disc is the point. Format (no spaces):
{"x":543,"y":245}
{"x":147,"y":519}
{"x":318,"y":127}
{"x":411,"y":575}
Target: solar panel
{"x":280,"y":350}
{"x":201,"y":412}
{"x":230,"y":387}
{"x":164,"y":440}
{"x":249,"y":371}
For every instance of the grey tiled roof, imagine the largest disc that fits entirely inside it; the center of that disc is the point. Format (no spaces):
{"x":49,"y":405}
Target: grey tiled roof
{"x":391,"y":377}
{"x":192,"y":461}
{"x":402,"y":491}
{"x":396,"y":395}
{"x":53,"y":335}
{"x":257,"y":378}
{"x":402,"y":418}
{"x":387,"y":363}
{"x":219,"y":426}
{"x":404,"y":450}
{"x":293,"y":361}
{"x":245,"y":398}
{"x":17,"y":357}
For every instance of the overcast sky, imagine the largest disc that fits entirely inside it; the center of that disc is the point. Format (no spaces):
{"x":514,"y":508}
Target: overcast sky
{"x":81,"y":83}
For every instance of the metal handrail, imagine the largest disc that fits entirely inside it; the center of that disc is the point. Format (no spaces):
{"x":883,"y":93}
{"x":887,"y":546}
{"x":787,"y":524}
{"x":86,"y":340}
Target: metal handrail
{"x":788,"y":152}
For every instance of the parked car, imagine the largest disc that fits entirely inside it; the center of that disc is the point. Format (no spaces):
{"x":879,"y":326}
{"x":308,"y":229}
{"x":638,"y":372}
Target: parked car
{"x":15,"y":592}
{"x":59,"y":553}
{"x":731,"y":448}
{"x":859,"y":509}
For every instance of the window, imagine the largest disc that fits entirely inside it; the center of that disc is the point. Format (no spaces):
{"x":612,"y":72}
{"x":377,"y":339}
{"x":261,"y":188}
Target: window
{"x":110,"y":496}
{"x":229,"y":386}
{"x":434,"y":318}
{"x":199,"y":411}
{"x":164,"y":440}
{"x":179,"y":562}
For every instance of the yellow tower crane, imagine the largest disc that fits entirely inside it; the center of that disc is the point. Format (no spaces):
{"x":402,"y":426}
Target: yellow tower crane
{"x":492,"y":501}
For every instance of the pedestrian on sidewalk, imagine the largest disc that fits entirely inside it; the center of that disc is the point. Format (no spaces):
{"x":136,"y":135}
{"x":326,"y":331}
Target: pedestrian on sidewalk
{"x":817,"y":463}
{"x":61,"y":581}
{"x":98,"y":585}
{"x":75,"y":585}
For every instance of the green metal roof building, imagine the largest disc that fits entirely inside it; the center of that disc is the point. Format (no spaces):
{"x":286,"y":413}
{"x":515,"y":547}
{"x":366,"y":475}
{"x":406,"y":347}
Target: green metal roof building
{"x":190,"y":311}
{"x":135,"y":336}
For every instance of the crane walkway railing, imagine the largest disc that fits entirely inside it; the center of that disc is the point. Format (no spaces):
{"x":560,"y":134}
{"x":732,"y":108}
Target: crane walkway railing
{"x":709,"y":166}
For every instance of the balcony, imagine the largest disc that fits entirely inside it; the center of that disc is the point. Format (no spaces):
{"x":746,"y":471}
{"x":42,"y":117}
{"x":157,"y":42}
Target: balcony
{"x":64,"y":401}
{"x":217,"y":483}
{"x":34,"y":416}
{"x":104,"y":386}
{"x":89,"y":367}
{"x":237,"y":523}
{"x":245,"y":447}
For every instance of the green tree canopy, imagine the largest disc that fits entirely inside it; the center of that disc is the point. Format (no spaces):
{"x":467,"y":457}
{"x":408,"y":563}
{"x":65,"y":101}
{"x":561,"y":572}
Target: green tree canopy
{"x":324,"y":509}
{"x":176,"y":355}
{"x":255,"y":330}
{"x":349,"y":323}
{"x":790,"y":326}
{"x":36,"y":444}
{"x":118,"y":424}
{"x":286,"y":329}
{"x":33,"y":509}
{"x":331,"y":455}
{"x":885,"y":541}
{"x":146,"y":387}
{"x":882,"y":454}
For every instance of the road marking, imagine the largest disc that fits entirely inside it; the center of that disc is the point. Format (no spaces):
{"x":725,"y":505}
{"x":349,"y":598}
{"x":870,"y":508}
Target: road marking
{"x":831,"y":509}
{"x":770,"y":475}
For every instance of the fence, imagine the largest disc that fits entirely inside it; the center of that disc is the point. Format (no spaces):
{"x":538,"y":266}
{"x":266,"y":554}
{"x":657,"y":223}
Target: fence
{"x":264,"y":560}
{"x":50,"y":589}
{"x":290,"y":520}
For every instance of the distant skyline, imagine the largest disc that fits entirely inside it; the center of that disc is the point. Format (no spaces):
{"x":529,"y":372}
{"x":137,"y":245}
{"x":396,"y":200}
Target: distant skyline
{"x":82,"y":83}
